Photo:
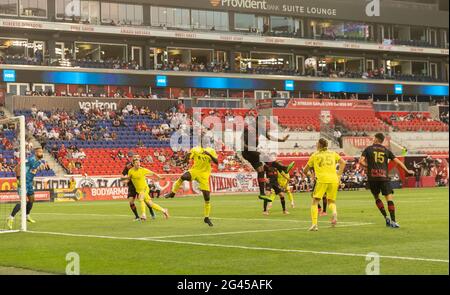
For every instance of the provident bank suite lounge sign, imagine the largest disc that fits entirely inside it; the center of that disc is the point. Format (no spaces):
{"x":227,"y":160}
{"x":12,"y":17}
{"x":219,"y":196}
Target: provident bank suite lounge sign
{"x":274,"y":5}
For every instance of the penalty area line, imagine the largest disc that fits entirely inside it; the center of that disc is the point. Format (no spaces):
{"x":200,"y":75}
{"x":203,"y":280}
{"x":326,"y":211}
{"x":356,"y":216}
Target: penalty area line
{"x":243,"y":247}
{"x":250,"y":231}
{"x":191,"y":217}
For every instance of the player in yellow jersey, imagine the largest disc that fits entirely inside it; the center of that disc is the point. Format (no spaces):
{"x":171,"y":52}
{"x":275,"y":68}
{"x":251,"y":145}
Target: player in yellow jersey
{"x":137,"y":175}
{"x":284,"y":180}
{"x":324,"y":164}
{"x":200,"y":171}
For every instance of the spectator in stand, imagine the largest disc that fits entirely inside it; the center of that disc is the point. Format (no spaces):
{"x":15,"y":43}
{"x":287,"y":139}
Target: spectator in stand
{"x":62,"y":153}
{"x":78,"y":164}
{"x":162,"y":158}
{"x":149,"y":159}
{"x":120,"y":155}
{"x":80,"y":154}
{"x":54,"y":151}
{"x":338,"y":136}
{"x":70,"y":167}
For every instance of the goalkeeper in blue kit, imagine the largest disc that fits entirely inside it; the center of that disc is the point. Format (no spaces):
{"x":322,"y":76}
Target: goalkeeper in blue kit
{"x":33,"y":165}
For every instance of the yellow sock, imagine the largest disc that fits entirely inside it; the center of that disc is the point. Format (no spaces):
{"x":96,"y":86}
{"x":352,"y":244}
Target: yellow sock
{"x":272,"y":195}
{"x":157,"y":207}
{"x":314,"y":214}
{"x":332,"y":207}
{"x":290,"y":196}
{"x":177,"y":185}
{"x":143,"y":207}
{"x":207,"y":209}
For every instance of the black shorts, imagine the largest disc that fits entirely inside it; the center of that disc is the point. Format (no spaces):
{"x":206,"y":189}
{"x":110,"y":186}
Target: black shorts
{"x":253,"y":158}
{"x":383,"y":186}
{"x":132,"y":191}
{"x":273,"y":184}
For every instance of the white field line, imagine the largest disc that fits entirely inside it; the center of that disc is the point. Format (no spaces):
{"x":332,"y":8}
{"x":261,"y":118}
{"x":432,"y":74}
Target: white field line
{"x":249,"y":231}
{"x":9,"y":231}
{"x":192,"y":235}
{"x":230,"y":200}
{"x":190,"y":217}
{"x":242,"y":247}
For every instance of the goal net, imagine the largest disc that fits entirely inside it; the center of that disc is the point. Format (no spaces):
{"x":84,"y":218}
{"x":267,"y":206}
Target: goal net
{"x":12,"y":160}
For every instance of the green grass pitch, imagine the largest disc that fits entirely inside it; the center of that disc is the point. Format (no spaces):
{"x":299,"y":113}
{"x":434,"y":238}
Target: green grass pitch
{"x":243,"y":241}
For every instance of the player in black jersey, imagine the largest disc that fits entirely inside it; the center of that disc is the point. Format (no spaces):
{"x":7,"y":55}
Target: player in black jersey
{"x":376,"y":158}
{"x":250,"y":138}
{"x":132,"y":194}
{"x":273,"y":184}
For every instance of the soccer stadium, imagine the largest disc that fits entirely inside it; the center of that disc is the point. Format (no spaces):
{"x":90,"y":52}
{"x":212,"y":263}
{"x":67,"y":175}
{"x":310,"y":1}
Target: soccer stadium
{"x":224,"y":137}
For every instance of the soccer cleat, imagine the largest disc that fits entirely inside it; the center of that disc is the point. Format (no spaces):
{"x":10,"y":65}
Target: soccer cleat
{"x":313,"y":227}
{"x":388,"y":222}
{"x":323,"y":214}
{"x":166,"y":213}
{"x":394,"y":224}
{"x":266,"y":213}
{"x":143,"y":218}
{"x":285,"y":212}
{"x":292,"y":205}
{"x":169,"y":195}
{"x":208,"y":221}
{"x":264,"y":197}
{"x":333,"y":221}
{"x":10,"y":223}
{"x":153,"y":216}
{"x":137,"y":219}
{"x":290,"y":166}
{"x":30,"y":220}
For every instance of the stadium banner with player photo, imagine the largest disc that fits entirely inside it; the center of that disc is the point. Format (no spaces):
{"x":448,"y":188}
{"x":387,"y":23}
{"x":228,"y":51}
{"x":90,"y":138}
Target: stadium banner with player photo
{"x":13,"y":196}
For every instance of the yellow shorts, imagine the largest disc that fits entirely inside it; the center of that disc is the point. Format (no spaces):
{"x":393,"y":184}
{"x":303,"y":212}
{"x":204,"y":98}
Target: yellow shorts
{"x":283,"y":184}
{"x":202,"y":178}
{"x":145,"y":194}
{"x":330,"y":189}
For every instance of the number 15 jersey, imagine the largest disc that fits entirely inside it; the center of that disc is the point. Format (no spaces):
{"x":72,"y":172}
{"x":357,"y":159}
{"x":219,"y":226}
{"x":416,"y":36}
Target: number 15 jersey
{"x":377,"y":157}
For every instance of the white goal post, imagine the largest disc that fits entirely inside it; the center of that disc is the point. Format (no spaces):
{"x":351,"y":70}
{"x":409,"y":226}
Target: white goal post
{"x":7,"y":206}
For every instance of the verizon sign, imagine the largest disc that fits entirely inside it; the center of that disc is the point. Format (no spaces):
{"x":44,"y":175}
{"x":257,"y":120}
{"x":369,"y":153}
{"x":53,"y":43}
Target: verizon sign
{"x":97,"y":105}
